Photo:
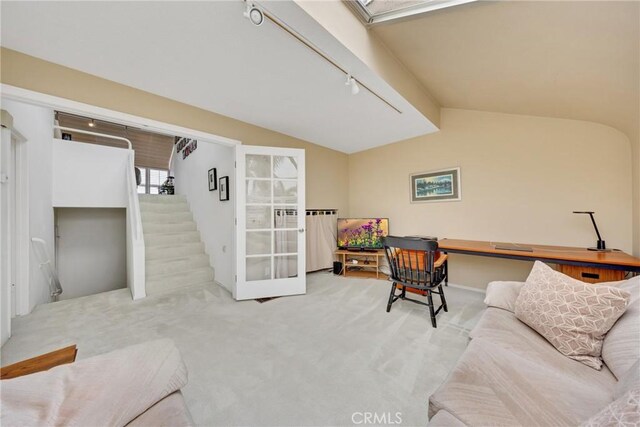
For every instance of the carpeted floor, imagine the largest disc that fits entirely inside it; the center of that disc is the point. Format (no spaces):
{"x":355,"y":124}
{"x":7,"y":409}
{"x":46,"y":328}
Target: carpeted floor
{"x":314,"y":359}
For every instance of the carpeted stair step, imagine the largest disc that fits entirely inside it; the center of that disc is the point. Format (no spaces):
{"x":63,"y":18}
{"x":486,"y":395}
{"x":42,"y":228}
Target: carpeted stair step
{"x":165,"y":217}
{"x":164,"y":207}
{"x":180,"y":250}
{"x":170,"y":237}
{"x":173,"y":265}
{"x":154,"y":198}
{"x":159,"y":227}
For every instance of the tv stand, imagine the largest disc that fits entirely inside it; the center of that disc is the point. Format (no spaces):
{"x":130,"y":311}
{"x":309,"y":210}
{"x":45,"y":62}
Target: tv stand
{"x":355,"y":249}
{"x":367,"y":262}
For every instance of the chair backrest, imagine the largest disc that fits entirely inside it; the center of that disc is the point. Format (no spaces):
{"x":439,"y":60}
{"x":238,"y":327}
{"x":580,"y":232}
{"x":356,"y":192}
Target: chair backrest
{"x":411,"y":260}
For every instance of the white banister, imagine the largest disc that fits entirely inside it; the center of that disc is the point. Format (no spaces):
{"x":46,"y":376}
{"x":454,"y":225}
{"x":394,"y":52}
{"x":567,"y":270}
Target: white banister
{"x":135,"y":238}
{"x":40,"y":248}
{"x":103,"y":135}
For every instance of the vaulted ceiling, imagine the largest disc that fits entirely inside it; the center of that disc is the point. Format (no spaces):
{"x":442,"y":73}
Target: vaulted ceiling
{"x":574,"y":59}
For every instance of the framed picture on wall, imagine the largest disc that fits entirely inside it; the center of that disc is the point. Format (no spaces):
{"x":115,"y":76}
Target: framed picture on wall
{"x":224,"y":188}
{"x":436,"y":186}
{"x":213,"y":179}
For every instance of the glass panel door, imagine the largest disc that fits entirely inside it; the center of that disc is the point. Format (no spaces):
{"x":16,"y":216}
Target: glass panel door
{"x":270,"y":222}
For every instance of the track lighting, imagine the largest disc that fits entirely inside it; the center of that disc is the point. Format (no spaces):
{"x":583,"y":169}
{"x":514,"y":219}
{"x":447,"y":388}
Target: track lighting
{"x":92,"y":123}
{"x":253,"y":14}
{"x":354,"y":86}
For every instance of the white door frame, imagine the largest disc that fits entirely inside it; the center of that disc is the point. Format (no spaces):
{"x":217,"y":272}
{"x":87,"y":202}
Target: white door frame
{"x":20,"y":291}
{"x":79,"y":108}
{"x":242,"y":289}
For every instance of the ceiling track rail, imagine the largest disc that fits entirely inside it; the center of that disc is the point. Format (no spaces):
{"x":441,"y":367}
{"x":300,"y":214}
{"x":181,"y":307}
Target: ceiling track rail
{"x":310,"y":45}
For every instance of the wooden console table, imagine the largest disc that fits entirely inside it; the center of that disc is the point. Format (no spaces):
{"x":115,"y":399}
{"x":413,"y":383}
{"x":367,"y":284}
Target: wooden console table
{"x":368,"y":263}
{"x":579,"y":263}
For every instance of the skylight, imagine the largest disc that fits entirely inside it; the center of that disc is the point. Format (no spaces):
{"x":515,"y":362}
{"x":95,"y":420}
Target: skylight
{"x":376,"y":11}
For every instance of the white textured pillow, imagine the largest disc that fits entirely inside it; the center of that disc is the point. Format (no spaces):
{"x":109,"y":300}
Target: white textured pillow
{"x":503,"y":294}
{"x":621,"y":347}
{"x":624,"y":411}
{"x":572,"y":315}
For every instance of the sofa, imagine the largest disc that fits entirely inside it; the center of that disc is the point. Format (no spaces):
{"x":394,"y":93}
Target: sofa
{"x":134,"y":386}
{"x":511,"y":375}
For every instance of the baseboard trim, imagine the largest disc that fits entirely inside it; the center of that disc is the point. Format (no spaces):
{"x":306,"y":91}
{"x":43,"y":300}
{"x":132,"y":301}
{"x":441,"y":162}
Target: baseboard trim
{"x":467,"y":288}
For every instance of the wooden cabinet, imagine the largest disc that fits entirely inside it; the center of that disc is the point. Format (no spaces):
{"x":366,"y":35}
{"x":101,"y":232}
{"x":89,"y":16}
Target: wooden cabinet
{"x":591,"y":274}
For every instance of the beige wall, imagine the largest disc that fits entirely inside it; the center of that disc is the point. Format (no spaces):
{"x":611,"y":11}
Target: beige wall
{"x":522,"y":176}
{"x":326,"y":169}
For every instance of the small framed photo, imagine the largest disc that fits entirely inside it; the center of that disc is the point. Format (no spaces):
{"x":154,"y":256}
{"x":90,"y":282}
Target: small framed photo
{"x":436,"y":186}
{"x":224,"y":188}
{"x":213,"y":179}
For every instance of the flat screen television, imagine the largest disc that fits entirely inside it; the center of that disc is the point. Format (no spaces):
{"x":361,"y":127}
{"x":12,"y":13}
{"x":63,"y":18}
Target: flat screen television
{"x":362,"y":233}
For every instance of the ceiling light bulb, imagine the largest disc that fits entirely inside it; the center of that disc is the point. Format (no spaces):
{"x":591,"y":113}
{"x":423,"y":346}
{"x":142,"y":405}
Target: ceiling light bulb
{"x":254,"y":14}
{"x":354,"y":87}
{"x":352,"y":82}
{"x":92,"y":123}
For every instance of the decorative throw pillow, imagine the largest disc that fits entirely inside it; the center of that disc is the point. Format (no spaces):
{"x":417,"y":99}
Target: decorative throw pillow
{"x":572,"y":315}
{"x":503,"y":295}
{"x":621,"y":346}
{"x":624,"y":411}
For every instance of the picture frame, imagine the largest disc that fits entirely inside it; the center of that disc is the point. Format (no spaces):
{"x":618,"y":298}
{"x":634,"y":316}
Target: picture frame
{"x":212,"y":176}
{"x":441,"y":185}
{"x":224,"y":188}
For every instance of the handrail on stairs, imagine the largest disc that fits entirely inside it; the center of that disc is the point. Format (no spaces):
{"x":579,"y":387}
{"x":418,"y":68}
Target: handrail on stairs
{"x":135,"y":244}
{"x":86,"y":132}
{"x":55,"y":287}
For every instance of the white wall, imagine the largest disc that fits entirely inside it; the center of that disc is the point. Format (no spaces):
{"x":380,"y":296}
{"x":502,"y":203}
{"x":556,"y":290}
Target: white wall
{"x":35,"y":123}
{"x":215,"y":219}
{"x":89,"y":175}
{"x":92,"y":251}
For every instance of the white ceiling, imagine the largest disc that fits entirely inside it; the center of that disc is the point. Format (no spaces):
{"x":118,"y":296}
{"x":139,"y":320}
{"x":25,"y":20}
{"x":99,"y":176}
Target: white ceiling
{"x":208,"y":55}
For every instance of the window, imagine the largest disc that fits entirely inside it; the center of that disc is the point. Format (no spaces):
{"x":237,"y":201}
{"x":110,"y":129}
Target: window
{"x":151,"y":180}
{"x":374,"y":11}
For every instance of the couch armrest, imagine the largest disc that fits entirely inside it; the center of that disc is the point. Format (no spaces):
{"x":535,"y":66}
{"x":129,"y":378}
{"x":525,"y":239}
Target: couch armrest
{"x":44,"y":362}
{"x":503,"y":294}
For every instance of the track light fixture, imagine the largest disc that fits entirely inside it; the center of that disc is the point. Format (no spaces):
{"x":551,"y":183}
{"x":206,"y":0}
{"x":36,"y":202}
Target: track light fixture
{"x":253,"y":14}
{"x":355,"y":89}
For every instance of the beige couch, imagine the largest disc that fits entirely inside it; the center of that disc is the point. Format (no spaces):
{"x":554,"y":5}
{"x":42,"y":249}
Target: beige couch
{"x":510,"y":375}
{"x":136,"y":386}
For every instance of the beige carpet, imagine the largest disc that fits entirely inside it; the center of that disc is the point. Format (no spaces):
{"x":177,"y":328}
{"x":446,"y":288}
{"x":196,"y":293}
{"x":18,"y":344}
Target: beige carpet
{"x":307,"y":360}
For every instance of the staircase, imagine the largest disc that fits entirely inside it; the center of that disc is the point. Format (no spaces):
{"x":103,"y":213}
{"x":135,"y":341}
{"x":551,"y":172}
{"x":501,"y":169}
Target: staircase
{"x":175,"y":256}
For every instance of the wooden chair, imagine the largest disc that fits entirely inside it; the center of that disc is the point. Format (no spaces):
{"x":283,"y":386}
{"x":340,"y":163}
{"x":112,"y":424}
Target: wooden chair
{"x":412,"y":264}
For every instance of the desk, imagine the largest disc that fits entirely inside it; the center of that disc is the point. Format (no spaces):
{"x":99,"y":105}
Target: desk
{"x":580,"y":263}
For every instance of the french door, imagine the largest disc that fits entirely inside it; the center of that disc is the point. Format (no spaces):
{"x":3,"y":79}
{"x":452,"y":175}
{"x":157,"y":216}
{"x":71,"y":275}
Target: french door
{"x":270,"y":221}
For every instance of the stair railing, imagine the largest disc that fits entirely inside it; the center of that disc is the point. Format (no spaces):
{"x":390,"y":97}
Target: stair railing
{"x":135,"y":238}
{"x":104,"y":135}
{"x":40,"y":248}
{"x":135,"y":244}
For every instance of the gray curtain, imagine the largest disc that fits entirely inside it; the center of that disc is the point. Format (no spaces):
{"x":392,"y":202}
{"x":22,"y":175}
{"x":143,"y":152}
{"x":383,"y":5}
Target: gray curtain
{"x":321,"y":241}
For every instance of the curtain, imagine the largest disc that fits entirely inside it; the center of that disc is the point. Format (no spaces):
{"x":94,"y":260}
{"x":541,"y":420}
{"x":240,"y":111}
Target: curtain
{"x":321,"y":241}
{"x":286,"y":242}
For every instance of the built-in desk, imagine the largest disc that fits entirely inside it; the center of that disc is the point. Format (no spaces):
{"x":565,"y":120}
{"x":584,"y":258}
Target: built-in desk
{"x":580,"y":263}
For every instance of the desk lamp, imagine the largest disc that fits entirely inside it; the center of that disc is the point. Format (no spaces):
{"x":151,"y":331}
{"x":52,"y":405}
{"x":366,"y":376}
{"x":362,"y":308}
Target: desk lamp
{"x":600,"y":246}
